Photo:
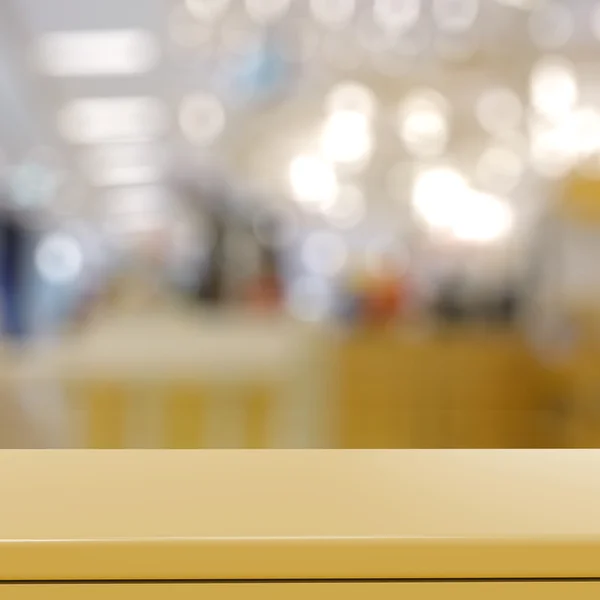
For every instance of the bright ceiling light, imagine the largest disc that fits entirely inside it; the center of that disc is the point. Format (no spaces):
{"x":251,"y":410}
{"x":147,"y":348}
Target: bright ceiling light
{"x":444,"y":202}
{"x":116,"y":119}
{"x":436,"y":194}
{"x":346,"y":137}
{"x":482,"y":218}
{"x":313,"y":181}
{"x":553,"y":87}
{"x":202,"y":118}
{"x":97,"y":53}
{"x":552,"y":149}
{"x":558,"y":146}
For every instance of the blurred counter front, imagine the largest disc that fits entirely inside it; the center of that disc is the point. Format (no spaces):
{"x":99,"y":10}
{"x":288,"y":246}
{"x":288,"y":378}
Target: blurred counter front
{"x":223,"y":525}
{"x":452,"y":387}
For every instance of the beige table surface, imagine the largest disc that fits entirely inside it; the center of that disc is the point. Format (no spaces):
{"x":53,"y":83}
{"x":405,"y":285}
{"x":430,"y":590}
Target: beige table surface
{"x":299,"y":514}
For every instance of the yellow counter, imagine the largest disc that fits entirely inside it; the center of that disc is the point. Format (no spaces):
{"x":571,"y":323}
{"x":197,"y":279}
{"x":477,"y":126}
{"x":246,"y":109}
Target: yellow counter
{"x":233,"y":516}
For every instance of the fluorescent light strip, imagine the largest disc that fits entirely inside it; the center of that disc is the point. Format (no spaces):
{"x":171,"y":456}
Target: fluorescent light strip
{"x":125,"y":164}
{"x":97,"y":53}
{"x":119,"y":119}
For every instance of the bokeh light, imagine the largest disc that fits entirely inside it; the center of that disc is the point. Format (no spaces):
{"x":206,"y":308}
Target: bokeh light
{"x":455,"y":16}
{"x":499,"y":110}
{"x":422,"y":123}
{"x":499,"y":169}
{"x":551,"y":25}
{"x":346,"y":137}
{"x":348,"y":209}
{"x":333,"y":13}
{"x":396,"y":15}
{"x":324,"y":253}
{"x":207,"y":9}
{"x":313,"y":181}
{"x":267,"y":11}
{"x":202,"y":118}
{"x":553,"y":87}
{"x":351,"y":96}
{"x":59,"y":258}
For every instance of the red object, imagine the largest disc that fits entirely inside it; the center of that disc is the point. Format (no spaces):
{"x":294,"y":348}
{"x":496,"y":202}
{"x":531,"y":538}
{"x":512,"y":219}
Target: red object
{"x":383,"y":301}
{"x":265,"y":293}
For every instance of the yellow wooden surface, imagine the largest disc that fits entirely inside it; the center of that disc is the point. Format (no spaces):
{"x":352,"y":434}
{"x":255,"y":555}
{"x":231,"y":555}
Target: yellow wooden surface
{"x":309,"y":590}
{"x":103,"y":412}
{"x":259,"y":404}
{"x":579,"y":198}
{"x":454,"y":388}
{"x":184,"y":404}
{"x":298,"y":514}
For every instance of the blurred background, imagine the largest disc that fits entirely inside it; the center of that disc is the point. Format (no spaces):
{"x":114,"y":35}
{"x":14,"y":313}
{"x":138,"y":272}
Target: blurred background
{"x":300,"y":223}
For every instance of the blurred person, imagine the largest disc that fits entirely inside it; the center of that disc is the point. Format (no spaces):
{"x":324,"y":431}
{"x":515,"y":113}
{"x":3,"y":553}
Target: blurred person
{"x":15,"y":242}
{"x":211,"y":284}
